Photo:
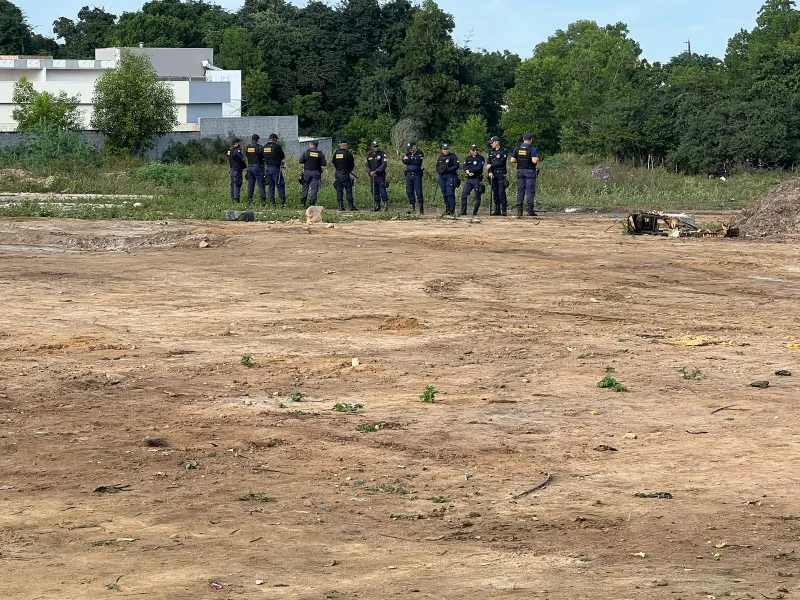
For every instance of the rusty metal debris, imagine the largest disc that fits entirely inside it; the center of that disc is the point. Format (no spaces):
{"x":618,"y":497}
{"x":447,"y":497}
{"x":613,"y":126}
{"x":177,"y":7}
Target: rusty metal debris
{"x":663,"y":224}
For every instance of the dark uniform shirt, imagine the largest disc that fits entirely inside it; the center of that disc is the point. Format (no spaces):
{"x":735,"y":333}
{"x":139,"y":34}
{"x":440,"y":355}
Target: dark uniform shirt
{"x":525,"y":153}
{"x":254,"y":155}
{"x":497,"y":160}
{"x":273,"y":154}
{"x":447,"y":165}
{"x":236,"y":158}
{"x":475,"y":165}
{"x":343,"y":161}
{"x":313,"y":160}
{"x":376,"y":161}
{"x":413,"y":161}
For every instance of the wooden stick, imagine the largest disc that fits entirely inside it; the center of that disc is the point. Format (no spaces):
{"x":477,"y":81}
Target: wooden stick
{"x":533,"y":489}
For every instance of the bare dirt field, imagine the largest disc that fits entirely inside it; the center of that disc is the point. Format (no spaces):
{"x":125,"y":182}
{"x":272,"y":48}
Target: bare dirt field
{"x":122,"y":344}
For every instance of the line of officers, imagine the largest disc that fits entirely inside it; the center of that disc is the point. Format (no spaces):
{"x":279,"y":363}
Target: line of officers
{"x":264,"y":168}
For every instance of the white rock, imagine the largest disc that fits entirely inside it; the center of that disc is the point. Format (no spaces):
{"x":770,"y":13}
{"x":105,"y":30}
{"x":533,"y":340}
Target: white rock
{"x":137,"y":205}
{"x":203,"y":244}
{"x":330,"y":226}
{"x":114,"y":378}
{"x":259,"y":582}
{"x":355,"y":362}
{"x":314,"y":214}
{"x":630,"y":436}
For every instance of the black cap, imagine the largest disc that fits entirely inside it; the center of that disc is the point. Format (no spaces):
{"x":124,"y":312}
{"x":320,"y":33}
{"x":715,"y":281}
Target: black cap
{"x":445,"y":146}
{"x":374,"y":144}
{"x":527,"y":136}
{"x":473,"y":147}
{"x":494,"y":139}
{"x":273,"y":136}
{"x":236,"y":141}
{"x":412,"y":143}
{"x":343,"y":141}
{"x":255,"y":137}
{"x":315,"y":142}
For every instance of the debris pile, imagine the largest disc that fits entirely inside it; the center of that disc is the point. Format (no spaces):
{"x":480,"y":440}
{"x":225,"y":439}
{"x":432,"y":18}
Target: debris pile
{"x":775,"y":213}
{"x":674,"y":225}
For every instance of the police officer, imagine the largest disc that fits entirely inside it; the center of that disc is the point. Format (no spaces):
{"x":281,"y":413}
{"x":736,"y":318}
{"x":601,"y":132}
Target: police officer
{"x":526,"y":158}
{"x":312,"y":160}
{"x":447,"y":168}
{"x":255,"y":169}
{"x":273,"y":159}
{"x":237,"y":165}
{"x":497,"y":175}
{"x":473,"y":167}
{"x":412,"y":159}
{"x":376,"y":167}
{"x":344,"y":163}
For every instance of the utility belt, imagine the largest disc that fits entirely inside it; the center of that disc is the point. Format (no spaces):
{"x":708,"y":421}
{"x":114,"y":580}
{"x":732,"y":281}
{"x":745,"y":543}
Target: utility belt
{"x":498,"y":171}
{"x":414,"y":172}
{"x":343,"y":172}
{"x":478,"y":177}
{"x":318,"y":171}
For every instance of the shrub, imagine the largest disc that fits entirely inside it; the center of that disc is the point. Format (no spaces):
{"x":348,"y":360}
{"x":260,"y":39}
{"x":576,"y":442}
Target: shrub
{"x":161,"y":173}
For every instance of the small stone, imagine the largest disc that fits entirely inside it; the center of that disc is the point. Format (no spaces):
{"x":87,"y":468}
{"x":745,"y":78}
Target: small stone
{"x":137,"y":205}
{"x":114,"y":378}
{"x":259,"y":582}
{"x":630,"y":436}
{"x":248,"y":402}
{"x":203,"y":244}
{"x":314,"y":214}
{"x":330,"y":226}
{"x":401,"y":466}
{"x":355,"y":362}
{"x":467,"y":475}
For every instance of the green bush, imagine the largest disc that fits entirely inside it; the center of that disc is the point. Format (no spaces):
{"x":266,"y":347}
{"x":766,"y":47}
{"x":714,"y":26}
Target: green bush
{"x":161,"y":173}
{"x":196,"y":151}
{"x":46,"y":144}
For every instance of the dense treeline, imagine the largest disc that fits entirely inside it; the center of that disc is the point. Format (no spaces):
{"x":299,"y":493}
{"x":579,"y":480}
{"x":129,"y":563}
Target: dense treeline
{"x":360,"y":67}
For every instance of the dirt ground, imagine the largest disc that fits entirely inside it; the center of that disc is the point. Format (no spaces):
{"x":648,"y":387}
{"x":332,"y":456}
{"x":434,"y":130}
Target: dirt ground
{"x":116,"y":337}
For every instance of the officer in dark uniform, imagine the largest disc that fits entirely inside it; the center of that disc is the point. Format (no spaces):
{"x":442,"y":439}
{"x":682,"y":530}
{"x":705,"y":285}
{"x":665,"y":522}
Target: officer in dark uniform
{"x":344,"y":163}
{"x":237,"y":165}
{"x":376,"y":167}
{"x":526,"y":158}
{"x":254,"y":153}
{"x":412,"y":159}
{"x":447,"y":168}
{"x":312,"y":160}
{"x":497,"y":167}
{"x":273,"y":159}
{"x":473,"y":167}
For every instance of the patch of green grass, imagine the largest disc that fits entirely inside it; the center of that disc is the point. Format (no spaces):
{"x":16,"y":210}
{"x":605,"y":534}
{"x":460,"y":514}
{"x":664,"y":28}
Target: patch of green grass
{"x":347,"y":408}
{"x":252,"y":496}
{"x":247,"y":361}
{"x":439,"y":500}
{"x":429,"y":395}
{"x":364,"y":428}
{"x":163,"y":174}
{"x":585,"y":356}
{"x":282,"y":405}
{"x":300,"y":413}
{"x":693,"y":374}
{"x":297,"y":396}
{"x":610,"y":382}
{"x":739,"y":353}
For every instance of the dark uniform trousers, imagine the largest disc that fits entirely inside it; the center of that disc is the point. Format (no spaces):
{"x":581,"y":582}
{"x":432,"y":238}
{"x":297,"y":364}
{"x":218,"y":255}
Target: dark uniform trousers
{"x":311,"y":180}
{"x":447,"y":183}
{"x":379,"y":190}
{"x":472,"y":183}
{"x":526,"y":187}
{"x":236,"y":184}
{"x":275,"y":179}
{"x":255,"y":174}
{"x":414,"y":187}
{"x":343,"y":183}
{"x":499,"y":190}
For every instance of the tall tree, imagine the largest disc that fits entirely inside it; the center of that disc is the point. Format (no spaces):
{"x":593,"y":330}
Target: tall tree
{"x":82,"y":37}
{"x":15,"y":33}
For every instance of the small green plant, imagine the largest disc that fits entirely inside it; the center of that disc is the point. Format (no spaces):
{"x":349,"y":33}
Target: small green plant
{"x":164,"y":174}
{"x":610,"y":382}
{"x":247,"y":361}
{"x":404,"y":517}
{"x":282,"y":405}
{"x":347,"y":408}
{"x":429,"y":395}
{"x":297,"y":396}
{"x":584,"y":356}
{"x":739,"y":353}
{"x":693,"y":374}
{"x":364,"y":428}
{"x":257,"y":497}
{"x":300,"y":413}
{"x":440,"y":500}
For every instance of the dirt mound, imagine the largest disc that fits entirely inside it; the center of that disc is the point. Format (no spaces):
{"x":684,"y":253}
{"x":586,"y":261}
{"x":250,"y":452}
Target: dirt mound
{"x":399,"y":324}
{"x":777,"y":212}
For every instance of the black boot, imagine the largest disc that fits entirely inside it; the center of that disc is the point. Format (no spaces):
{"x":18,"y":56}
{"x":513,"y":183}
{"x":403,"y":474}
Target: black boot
{"x":377,"y":207}
{"x":303,"y":203}
{"x":411,"y":210}
{"x":421,"y":208}
{"x":503,"y":211}
{"x":283,"y":202}
{"x":352,"y":206}
{"x":475,"y":211}
{"x":531,"y":212}
{"x":463,"y":212}
{"x":387,"y":206}
{"x":495,"y":211}
{"x":341,"y":205}
{"x":519,"y":210}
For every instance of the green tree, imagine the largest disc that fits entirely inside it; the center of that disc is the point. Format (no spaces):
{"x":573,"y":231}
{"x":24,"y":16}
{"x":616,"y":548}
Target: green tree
{"x":131,"y":106}
{"x":36,"y":109}
{"x":15,"y":33}
{"x":473,"y":130}
{"x":83,"y":36}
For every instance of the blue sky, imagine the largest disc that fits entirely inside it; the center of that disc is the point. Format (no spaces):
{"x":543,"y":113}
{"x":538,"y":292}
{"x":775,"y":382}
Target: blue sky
{"x":661,"y":28}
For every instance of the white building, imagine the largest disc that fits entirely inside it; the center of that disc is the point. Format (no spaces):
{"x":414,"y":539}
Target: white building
{"x":201,"y":90}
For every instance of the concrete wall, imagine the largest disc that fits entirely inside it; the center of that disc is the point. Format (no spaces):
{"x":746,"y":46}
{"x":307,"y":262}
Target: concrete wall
{"x":195,"y":112}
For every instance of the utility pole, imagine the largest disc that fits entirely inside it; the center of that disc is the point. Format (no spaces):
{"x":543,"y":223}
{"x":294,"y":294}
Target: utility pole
{"x":688,"y":47}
